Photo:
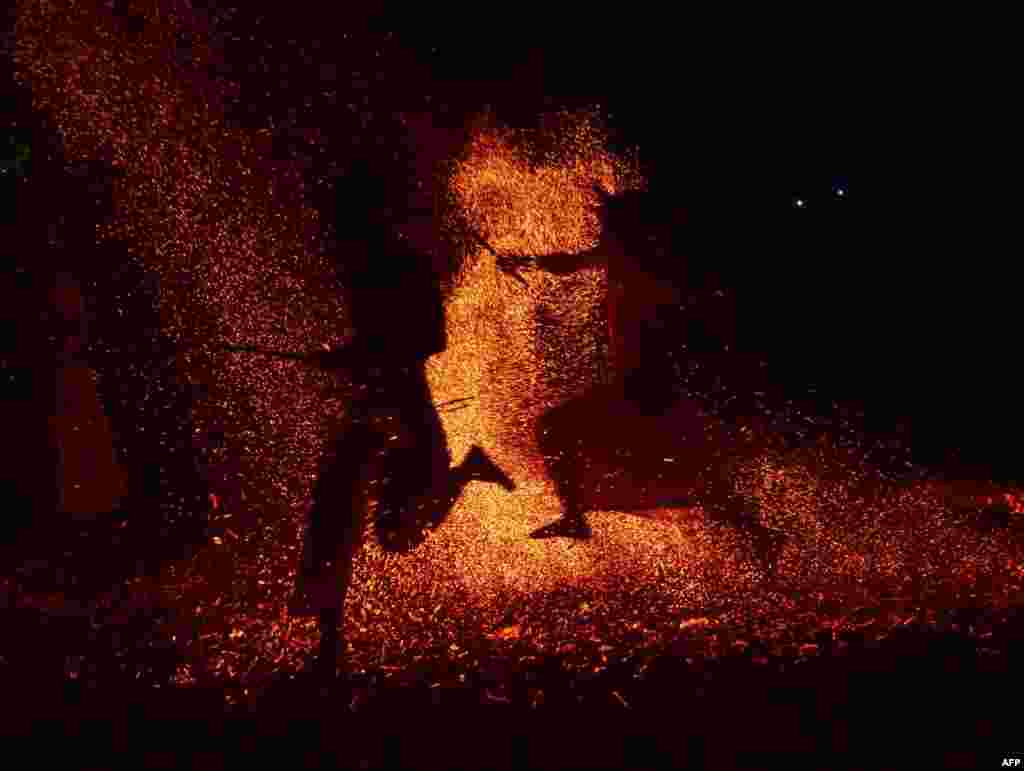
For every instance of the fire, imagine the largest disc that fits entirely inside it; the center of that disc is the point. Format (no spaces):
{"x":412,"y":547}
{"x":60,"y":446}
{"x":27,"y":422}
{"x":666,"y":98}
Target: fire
{"x":196,"y":205}
{"x":522,"y":207}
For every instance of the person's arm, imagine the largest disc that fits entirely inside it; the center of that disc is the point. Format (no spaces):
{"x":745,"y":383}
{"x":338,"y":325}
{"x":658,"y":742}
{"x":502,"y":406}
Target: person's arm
{"x":561,"y":263}
{"x":334,"y":358}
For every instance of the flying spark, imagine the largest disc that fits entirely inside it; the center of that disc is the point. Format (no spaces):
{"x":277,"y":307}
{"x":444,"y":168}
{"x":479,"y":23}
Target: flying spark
{"x":206,"y":207}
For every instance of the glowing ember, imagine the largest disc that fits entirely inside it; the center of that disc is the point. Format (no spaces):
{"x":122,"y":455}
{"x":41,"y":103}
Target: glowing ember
{"x":201,"y":205}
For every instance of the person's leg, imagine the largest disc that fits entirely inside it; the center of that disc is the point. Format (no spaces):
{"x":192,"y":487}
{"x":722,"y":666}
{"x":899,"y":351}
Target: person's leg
{"x":337,"y":576}
{"x":333,"y":533}
{"x":562,"y":443}
{"x":423,"y":486}
{"x":329,"y":653}
{"x":567,"y":472}
{"x":416,"y":459}
{"x":723,"y":502}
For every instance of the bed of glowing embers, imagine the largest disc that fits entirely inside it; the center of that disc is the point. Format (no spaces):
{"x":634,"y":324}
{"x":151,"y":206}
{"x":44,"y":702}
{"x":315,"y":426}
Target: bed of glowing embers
{"x":483,"y":611}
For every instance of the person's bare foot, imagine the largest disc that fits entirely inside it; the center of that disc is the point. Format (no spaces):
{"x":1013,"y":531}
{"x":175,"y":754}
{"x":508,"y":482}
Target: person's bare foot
{"x":479,"y":467}
{"x":575,"y":528}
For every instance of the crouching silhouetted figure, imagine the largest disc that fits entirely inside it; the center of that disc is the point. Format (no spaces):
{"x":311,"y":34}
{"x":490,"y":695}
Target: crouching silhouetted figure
{"x":634,"y":462}
{"x":651,"y":447}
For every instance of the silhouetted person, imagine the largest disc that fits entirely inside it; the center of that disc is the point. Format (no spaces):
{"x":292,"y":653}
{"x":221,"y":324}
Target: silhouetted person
{"x":707,"y":450}
{"x":639,"y":294}
{"x":396,"y":309}
{"x":78,"y":366}
{"x":91,"y":482}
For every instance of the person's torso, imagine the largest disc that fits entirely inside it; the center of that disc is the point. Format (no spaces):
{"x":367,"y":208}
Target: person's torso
{"x":395,"y":300}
